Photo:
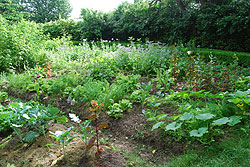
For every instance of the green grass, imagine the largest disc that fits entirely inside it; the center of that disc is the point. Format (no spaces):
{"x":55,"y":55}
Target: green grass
{"x":232,"y":152}
{"x":226,"y":56}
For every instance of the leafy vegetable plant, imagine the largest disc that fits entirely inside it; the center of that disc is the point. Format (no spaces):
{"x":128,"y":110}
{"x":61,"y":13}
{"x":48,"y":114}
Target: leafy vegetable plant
{"x":29,"y":120}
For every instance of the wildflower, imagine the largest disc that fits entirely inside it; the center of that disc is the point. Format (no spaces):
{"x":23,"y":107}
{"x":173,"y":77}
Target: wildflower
{"x":189,"y":52}
{"x":74,"y":118}
{"x":240,"y":105}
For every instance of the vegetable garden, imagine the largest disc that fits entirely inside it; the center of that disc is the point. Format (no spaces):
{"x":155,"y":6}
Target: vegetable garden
{"x":91,"y":104}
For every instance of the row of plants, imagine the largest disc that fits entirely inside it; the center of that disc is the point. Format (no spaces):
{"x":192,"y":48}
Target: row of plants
{"x":200,"y":115}
{"x":171,"y":69}
{"x":30,"y":120}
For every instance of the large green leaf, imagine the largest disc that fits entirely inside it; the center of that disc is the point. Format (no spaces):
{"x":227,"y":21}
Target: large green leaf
{"x":204,"y":116}
{"x":221,"y":121}
{"x":241,"y":93}
{"x":162,"y":116}
{"x":175,"y":117}
{"x":157,"y":125}
{"x":235,"y":101}
{"x":173,"y":126}
{"x":198,"y":133}
{"x":247,"y":100}
{"x":32,"y":135}
{"x":233,"y":120}
{"x":186,"y":116}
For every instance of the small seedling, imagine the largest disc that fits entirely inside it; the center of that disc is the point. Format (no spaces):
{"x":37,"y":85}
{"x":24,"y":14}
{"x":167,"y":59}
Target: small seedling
{"x":64,"y":138}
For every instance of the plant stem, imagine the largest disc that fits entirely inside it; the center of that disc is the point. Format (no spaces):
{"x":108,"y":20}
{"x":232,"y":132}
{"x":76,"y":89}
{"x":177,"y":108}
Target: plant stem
{"x":64,"y":150}
{"x":97,"y":135}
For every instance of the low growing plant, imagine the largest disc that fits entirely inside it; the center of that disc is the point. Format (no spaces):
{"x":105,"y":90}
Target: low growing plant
{"x":115,"y":111}
{"x":64,"y":138}
{"x":29,"y":120}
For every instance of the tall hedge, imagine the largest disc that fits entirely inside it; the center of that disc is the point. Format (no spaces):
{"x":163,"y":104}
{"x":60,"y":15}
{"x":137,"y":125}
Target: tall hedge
{"x":221,"y":24}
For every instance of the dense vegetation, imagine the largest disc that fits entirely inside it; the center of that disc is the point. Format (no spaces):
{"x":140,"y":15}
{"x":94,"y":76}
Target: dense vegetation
{"x":216,"y":24}
{"x":69,"y":102}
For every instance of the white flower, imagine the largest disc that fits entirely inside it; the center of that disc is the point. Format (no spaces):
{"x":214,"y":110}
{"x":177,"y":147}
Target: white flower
{"x":18,"y":126}
{"x":74,"y":118}
{"x":26,"y":116}
{"x":189,"y":52}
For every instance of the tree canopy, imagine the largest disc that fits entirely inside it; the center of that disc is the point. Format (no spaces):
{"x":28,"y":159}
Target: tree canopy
{"x":9,"y":9}
{"x":46,"y":10}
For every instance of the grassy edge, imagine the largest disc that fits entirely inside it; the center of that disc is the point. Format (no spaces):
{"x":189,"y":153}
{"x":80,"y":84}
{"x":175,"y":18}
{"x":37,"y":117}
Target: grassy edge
{"x":230,"y":152}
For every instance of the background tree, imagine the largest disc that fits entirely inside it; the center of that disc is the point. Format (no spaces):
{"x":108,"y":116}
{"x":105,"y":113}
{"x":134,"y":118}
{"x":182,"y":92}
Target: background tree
{"x":94,"y":24}
{"x":46,"y":10}
{"x":10,"y":10}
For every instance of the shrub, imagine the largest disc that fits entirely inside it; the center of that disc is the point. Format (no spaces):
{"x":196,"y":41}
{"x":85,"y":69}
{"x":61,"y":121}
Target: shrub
{"x":62,"y":27}
{"x":19,"y":44}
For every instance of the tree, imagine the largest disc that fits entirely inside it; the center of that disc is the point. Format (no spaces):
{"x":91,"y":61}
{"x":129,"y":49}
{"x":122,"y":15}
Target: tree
{"x":93,"y":24}
{"x":10,"y":10}
{"x":46,"y":10}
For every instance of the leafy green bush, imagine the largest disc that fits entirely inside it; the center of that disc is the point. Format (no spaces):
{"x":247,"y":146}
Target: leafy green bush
{"x":62,"y":27}
{"x":115,"y":111}
{"x":19,"y":44}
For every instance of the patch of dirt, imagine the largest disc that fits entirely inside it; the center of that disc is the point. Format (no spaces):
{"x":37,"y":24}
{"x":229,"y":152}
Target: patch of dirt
{"x":38,"y":154}
{"x":133,"y":130}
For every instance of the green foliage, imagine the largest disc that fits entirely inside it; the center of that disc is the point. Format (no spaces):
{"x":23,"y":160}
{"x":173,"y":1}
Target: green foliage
{"x":64,"y":138}
{"x":45,"y":11}
{"x":3,"y":96}
{"x":29,"y":120}
{"x":83,"y":128}
{"x":125,"y":105}
{"x":196,"y":122}
{"x":164,"y":21}
{"x":115,"y":111}
{"x":226,"y":56}
{"x":224,"y":34}
{"x":95,"y":25}
{"x":9,"y":9}
{"x":139,"y":96}
{"x":62,"y":27}
{"x":19,"y":45}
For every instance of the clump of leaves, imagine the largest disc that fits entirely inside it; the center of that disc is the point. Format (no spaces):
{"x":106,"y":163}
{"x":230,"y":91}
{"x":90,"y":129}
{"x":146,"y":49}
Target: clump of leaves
{"x":28,"y":120}
{"x":125,"y":104}
{"x":3,"y":96}
{"x":115,"y":111}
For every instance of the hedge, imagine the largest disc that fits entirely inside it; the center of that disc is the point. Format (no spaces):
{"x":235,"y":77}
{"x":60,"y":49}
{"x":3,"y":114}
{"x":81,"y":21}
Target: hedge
{"x":226,"y":56}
